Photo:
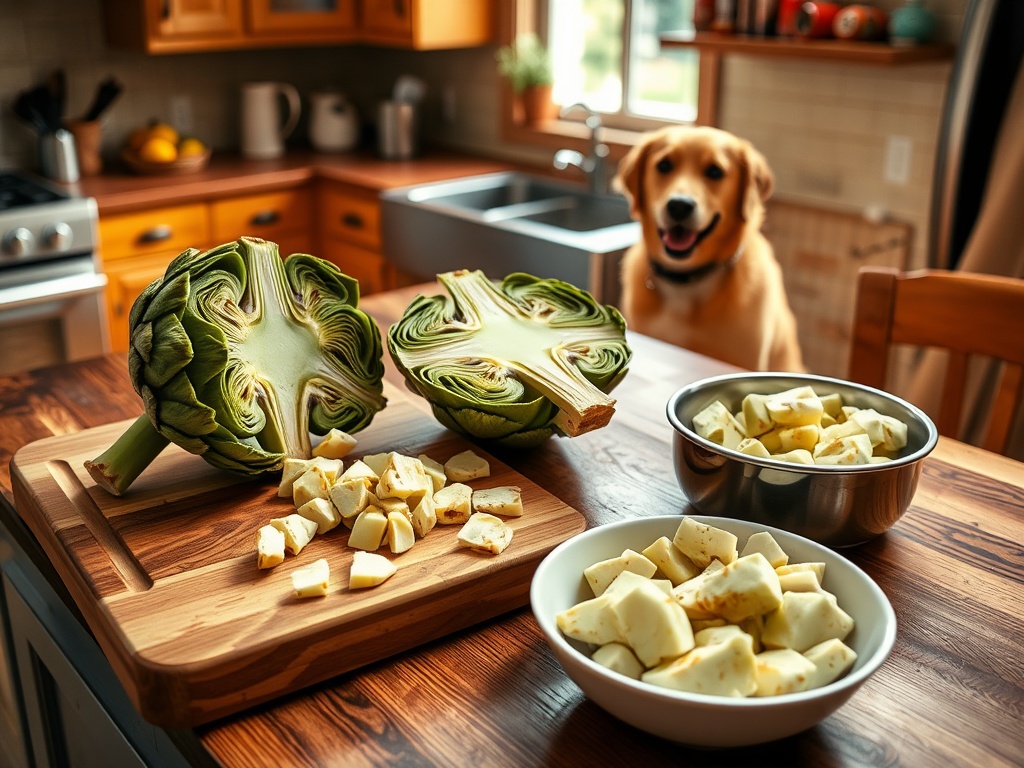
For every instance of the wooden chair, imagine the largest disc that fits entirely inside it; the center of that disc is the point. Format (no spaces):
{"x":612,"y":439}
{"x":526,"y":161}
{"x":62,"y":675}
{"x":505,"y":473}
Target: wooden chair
{"x":967,"y":314}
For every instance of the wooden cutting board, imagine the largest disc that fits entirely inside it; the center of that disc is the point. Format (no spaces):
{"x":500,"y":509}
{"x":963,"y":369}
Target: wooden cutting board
{"x":166,"y":575}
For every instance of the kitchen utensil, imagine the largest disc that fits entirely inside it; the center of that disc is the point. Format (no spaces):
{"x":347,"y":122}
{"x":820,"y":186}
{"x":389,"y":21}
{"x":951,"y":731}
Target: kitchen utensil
{"x":701,"y":719}
{"x":264,"y":125}
{"x":333,"y":122}
{"x":166,"y":575}
{"x":106,"y":94}
{"x":26,"y":108}
{"x":838,"y":506}
{"x":398,"y":130}
{"x":57,"y":86}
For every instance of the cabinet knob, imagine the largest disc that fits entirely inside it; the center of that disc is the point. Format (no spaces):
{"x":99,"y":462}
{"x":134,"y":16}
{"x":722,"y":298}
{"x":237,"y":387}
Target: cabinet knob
{"x":352,"y":220}
{"x":156,"y":234}
{"x":263,"y":218}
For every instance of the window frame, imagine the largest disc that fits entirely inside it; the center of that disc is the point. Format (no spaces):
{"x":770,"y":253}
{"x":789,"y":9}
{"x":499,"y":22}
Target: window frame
{"x":520,"y":16}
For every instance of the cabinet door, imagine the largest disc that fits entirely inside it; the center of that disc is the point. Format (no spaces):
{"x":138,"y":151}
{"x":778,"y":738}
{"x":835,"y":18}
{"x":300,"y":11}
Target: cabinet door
{"x":196,"y":18}
{"x":350,"y":214}
{"x":125,"y":281}
{"x":303,"y":19}
{"x":427,"y":24}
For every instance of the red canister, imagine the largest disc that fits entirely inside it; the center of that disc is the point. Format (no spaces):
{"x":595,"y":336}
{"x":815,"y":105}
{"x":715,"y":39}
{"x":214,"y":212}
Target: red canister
{"x":860,"y":22}
{"x":815,"y":19}
{"x":785,"y":23}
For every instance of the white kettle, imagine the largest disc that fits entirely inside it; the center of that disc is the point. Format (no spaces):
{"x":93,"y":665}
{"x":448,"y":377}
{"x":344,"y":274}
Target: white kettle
{"x":264,"y":125}
{"x":333,"y":122}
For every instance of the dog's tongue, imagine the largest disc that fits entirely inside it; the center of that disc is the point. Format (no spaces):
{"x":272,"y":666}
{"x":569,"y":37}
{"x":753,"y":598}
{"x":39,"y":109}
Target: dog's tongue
{"x":679,"y":238}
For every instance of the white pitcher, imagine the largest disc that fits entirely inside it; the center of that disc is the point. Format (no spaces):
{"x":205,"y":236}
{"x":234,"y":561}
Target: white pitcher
{"x":264,"y":125}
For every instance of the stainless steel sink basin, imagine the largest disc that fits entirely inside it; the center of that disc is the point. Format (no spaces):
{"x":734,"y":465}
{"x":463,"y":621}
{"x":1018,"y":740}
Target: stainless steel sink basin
{"x":509,"y":222}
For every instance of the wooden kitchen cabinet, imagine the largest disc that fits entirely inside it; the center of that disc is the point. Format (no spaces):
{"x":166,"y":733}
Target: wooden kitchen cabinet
{"x":161,"y":26}
{"x":349,"y":234}
{"x":310,"y":20}
{"x":285,"y":218}
{"x":426,"y":24}
{"x":136,"y":248}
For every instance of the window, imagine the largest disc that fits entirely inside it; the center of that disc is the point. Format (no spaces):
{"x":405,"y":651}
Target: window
{"x":606,"y":54}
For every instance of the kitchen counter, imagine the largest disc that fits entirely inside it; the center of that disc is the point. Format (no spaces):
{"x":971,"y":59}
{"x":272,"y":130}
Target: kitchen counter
{"x":951,"y":694}
{"x":118,"y":190}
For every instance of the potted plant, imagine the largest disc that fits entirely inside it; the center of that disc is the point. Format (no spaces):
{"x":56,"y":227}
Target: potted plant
{"x":526,"y":64}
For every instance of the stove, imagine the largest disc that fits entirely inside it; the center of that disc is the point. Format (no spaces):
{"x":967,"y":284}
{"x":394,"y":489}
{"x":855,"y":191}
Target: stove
{"x":51,"y":288}
{"x":40,"y":221}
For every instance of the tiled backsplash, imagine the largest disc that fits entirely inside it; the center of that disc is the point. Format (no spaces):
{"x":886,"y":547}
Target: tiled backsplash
{"x":825,"y":128}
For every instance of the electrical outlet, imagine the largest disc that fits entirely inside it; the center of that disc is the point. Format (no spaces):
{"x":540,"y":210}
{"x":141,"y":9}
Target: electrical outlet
{"x":181,"y":113}
{"x":898,"y":151}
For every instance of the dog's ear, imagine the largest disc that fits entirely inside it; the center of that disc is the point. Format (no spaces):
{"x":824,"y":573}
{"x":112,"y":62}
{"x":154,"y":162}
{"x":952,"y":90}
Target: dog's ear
{"x":758,"y":182}
{"x":630,"y":176}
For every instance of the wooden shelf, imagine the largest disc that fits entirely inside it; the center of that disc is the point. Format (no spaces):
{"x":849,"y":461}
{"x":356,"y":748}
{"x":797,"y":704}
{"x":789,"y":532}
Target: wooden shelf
{"x":879,"y":54}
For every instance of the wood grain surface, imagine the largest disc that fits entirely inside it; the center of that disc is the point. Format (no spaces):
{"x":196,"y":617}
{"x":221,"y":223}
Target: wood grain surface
{"x":951,"y":693}
{"x":166,"y":575}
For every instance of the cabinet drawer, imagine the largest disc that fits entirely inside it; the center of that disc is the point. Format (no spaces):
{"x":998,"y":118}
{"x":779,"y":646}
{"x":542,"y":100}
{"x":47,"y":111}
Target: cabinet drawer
{"x":163,"y":230}
{"x":351,"y":216}
{"x":267,"y":216}
{"x":368,"y":267}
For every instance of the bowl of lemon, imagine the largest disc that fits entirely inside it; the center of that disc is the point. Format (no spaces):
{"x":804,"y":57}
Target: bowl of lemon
{"x":159,"y":148}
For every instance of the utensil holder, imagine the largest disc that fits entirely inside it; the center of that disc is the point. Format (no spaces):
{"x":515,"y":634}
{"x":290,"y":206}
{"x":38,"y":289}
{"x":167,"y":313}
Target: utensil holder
{"x":88,"y":140}
{"x":57,"y":158}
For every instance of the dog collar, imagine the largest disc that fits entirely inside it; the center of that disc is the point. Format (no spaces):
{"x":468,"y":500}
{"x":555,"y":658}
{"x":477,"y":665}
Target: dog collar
{"x":692,"y":275}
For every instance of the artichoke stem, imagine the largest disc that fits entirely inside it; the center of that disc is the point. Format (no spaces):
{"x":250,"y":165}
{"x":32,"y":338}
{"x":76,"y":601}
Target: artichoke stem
{"x":116,"y":468}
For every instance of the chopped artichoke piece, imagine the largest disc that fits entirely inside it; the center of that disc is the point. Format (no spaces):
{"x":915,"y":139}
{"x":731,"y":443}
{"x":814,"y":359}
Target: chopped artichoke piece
{"x":369,"y":570}
{"x":312,"y":580}
{"x":269,"y":547}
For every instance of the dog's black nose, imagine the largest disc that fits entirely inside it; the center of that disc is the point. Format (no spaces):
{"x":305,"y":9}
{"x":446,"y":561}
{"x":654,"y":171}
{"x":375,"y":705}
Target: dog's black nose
{"x":680,"y":207}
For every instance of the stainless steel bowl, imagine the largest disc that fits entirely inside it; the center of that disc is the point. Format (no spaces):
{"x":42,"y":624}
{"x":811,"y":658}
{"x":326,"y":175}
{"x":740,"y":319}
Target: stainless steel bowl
{"x":835,"y":506}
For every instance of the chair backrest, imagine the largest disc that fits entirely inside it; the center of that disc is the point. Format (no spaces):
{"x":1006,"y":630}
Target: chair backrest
{"x":968,"y":314}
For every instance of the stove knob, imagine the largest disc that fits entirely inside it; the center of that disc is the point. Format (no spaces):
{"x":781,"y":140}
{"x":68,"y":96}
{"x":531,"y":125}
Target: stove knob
{"x":17,"y":242}
{"x":57,"y":236}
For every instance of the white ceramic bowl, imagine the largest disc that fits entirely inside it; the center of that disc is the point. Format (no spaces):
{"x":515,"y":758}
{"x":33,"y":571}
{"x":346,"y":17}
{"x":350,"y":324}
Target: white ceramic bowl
{"x":699,"y":719}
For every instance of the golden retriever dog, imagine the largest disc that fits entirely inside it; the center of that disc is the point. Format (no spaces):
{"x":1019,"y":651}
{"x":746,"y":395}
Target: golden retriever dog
{"x":704,"y":277}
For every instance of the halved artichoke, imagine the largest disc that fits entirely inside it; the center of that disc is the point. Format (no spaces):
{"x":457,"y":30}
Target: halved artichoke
{"x":514,"y":362}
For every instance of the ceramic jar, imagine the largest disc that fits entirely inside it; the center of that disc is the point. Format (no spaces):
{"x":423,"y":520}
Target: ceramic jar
{"x":911,"y":24}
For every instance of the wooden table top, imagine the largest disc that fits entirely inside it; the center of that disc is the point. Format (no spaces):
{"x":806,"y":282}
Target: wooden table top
{"x":951,"y":694}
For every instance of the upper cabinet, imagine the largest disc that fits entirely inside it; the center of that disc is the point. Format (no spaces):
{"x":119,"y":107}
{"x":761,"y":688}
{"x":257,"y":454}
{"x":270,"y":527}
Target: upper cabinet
{"x":424,"y":24}
{"x":182,"y":26}
{"x":305,"y":20}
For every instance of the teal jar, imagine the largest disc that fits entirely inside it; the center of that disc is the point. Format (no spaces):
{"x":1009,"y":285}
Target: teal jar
{"x":911,"y":24}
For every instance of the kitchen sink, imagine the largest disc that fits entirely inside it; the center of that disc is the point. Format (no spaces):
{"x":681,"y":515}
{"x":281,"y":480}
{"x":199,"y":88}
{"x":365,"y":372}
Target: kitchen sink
{"x":509,"y":222}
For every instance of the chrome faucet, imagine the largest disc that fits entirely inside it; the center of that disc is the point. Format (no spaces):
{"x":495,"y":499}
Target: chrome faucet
{"x":594,"y":165}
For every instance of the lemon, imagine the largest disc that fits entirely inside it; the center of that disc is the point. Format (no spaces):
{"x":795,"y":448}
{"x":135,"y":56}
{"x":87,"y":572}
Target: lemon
{"x":163,"y":131}
{"x":158,"y":150}
{"x":191,"y":148}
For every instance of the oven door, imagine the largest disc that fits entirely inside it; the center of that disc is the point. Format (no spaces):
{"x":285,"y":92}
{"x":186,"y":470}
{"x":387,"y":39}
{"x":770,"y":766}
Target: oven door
{"x":56,"y":316}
